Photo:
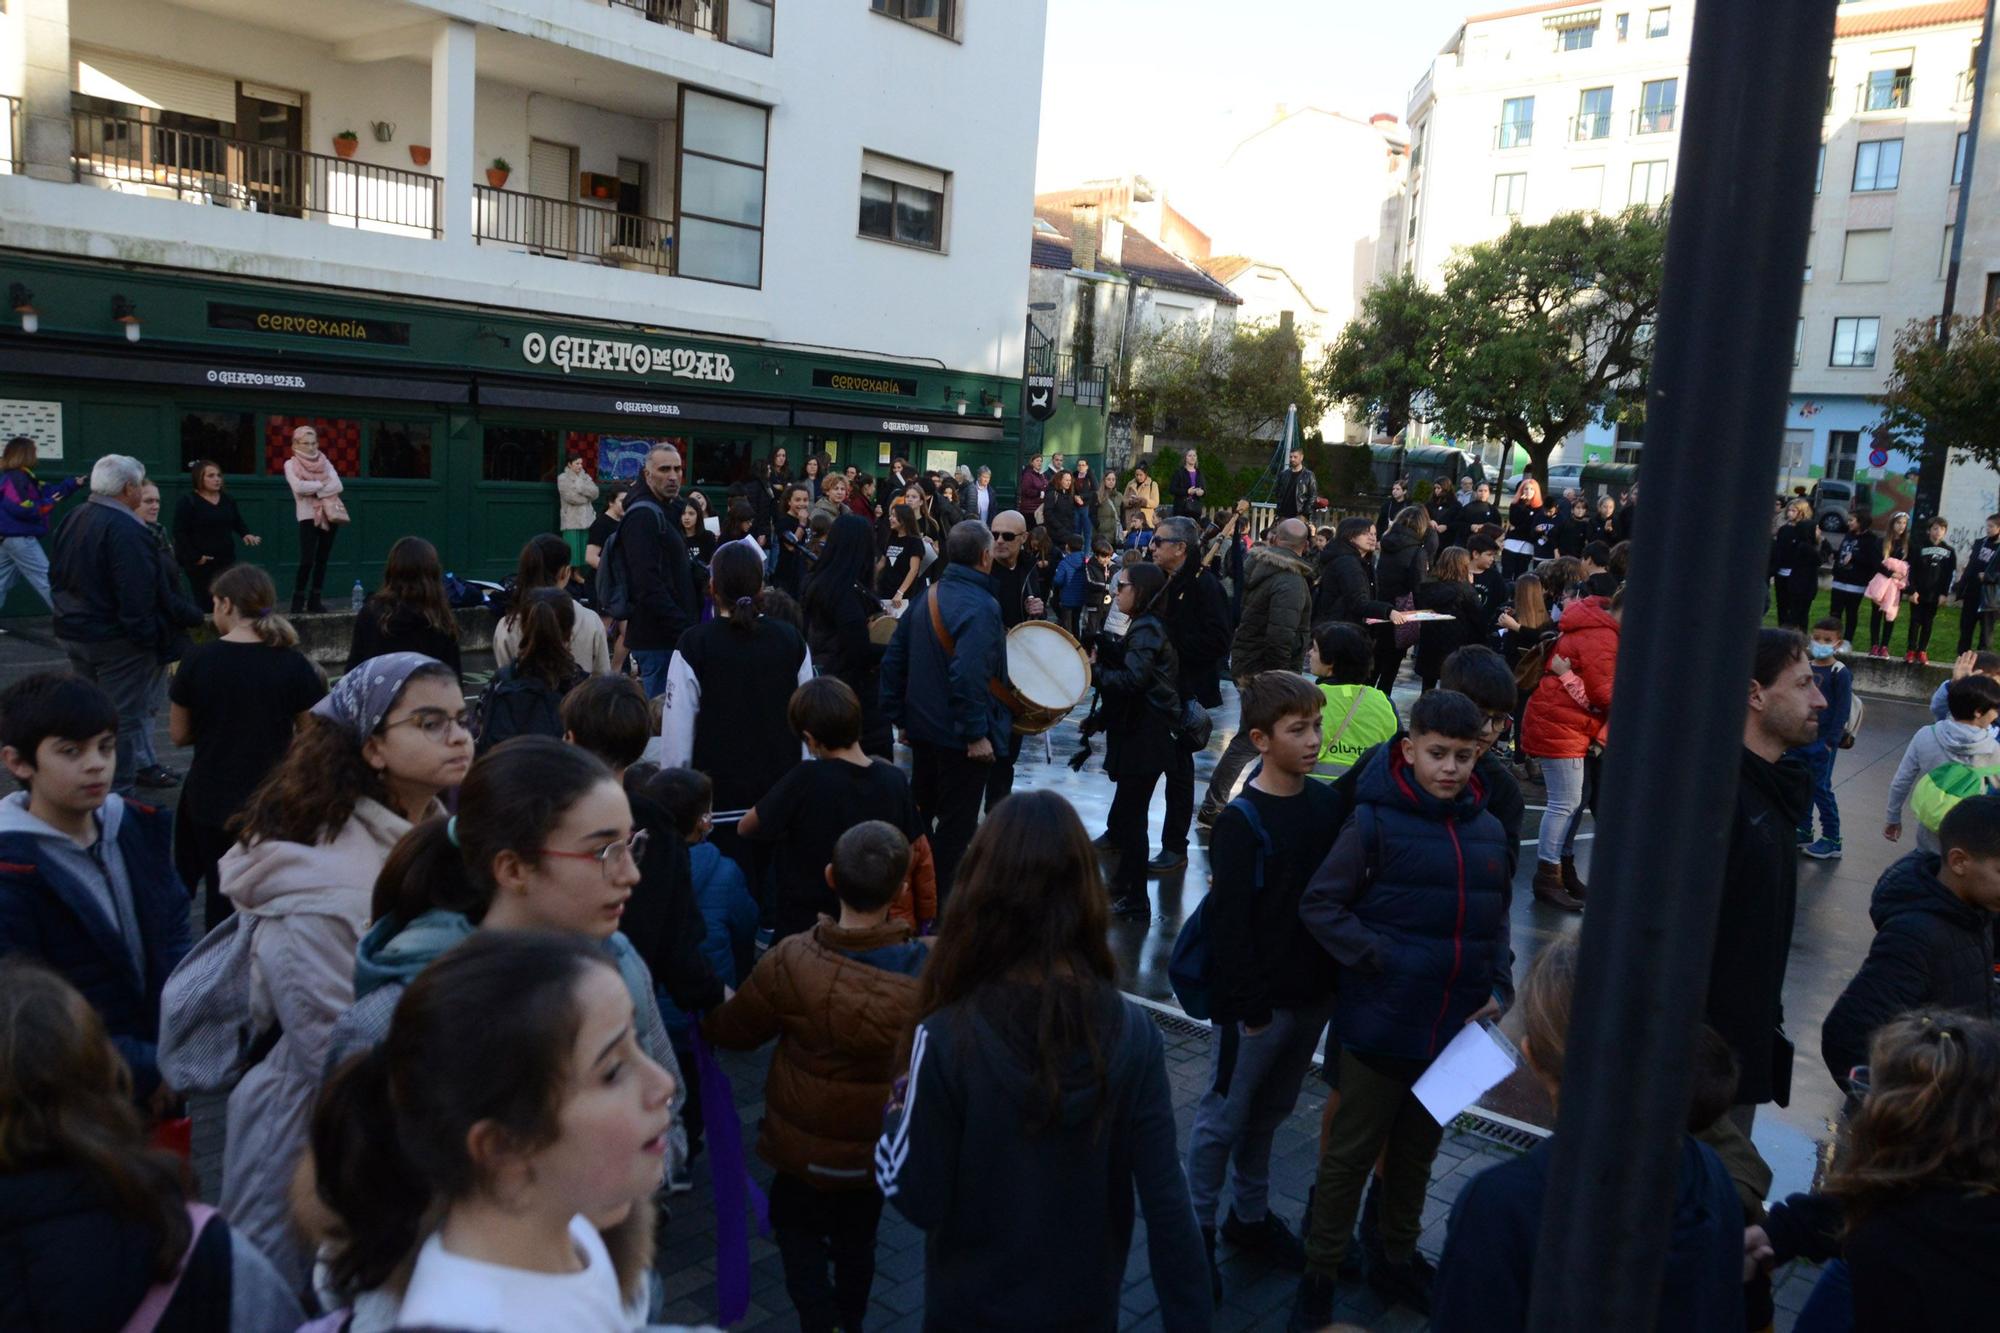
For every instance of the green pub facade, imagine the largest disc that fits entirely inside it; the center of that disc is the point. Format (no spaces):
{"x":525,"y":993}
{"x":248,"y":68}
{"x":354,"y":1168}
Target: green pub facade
{"x":444,"y":422}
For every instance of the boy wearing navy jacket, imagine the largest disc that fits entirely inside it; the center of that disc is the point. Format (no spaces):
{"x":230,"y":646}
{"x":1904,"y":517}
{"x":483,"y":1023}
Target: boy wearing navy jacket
{"x":1410,"y":903}
{"x":1930,"y":583}
{"x":1836,"y":682}
{"x":1270,"y":984}
{"x":1973,"y":593}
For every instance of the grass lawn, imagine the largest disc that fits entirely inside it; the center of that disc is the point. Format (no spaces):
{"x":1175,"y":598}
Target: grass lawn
{"x":1944,"y":631}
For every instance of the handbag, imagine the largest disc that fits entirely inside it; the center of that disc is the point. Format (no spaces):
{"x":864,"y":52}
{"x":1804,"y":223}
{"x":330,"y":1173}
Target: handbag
{"x":334,"y":510}
{"x":1407,"y":634}
{"x":1193,"y":727}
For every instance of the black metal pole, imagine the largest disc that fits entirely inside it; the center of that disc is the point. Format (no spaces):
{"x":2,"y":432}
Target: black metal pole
{"x":1735,"y":249}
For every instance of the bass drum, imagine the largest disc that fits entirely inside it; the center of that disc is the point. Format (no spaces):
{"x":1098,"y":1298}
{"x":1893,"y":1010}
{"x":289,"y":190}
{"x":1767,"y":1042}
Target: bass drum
{"x":1050,"y":673}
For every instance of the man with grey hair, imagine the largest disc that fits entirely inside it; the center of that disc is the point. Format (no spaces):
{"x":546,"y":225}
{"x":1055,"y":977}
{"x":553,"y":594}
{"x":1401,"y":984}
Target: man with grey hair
{"x":117,"y":617}
{"x":1197,"y":618}
{"x":658,"y":572}
{"x":1272,"y":636}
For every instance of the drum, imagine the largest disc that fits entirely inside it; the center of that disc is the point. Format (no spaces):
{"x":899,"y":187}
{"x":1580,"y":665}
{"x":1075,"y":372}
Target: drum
{"x":1050,"y":672}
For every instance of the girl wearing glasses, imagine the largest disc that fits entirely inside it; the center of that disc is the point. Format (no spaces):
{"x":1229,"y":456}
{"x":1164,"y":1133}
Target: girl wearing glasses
{"x":368,"y":761}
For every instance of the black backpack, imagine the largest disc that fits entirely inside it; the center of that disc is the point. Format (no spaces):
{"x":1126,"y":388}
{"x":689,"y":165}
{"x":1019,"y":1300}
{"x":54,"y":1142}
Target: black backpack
{"x":515,"y":705}
{"x":614,"y":586}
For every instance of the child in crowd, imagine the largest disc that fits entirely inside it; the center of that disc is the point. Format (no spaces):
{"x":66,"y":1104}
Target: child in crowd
{"x":1933,"y":946}
{"x":97,"y":1221}
{"x":1597,"y":577}
{"x":1931,"y":570}
{"x":1483,"y":548}
{"x":1967,"y":664}
{"x":1964,"y":741}
{"x":509,"y":1117}
{"x":1068,"y":584}
{"x":87,"y":881}
{"x":1488,"y":1267}
{"x":817,"y":801}
{"x":728,"y":912}
{"x":838,"y":999}
{"x":1976,"y":592}
{"x":1271,"y":985}
{"x":1098,"y":572}
{"x":1354,"y":715}
{"x":1836,"y":684}
{"x":1421,"y":955}
{"x":1912,"y":1205}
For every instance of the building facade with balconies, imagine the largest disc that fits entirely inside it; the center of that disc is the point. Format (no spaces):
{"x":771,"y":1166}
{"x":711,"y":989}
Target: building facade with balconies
{"x":474,"y":237}
{"x":1553,"y":108}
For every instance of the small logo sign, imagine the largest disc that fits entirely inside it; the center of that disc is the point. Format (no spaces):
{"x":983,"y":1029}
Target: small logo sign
{"x":1038,"y":396}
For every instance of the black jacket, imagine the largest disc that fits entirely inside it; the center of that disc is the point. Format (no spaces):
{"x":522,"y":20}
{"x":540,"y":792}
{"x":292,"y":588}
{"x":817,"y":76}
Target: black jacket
{"x":407,"y":631}
{"x":1753,"y":930}
{"x":1385,"y":516}
{"x":110,"y":582}
{"x":1441,"y":638}
{"x":1796,"y":549}
{"x":1931,"y":572}
{"x":1923,"y":1264}
{"x":661,"y":918}
{"x":1977,"y":558}
{"x":1140,"y":683}
{"x":1571,"y":534}
{"x":1178,"y":486}
{"x":1196,"y":614}
{"x":1474,"y":514}
{"x":1858,"y":560}
{"x":1264,"y":957}
{"x":1931,"y":950}
{"x":1346,"y":588}
{"x":837,"y":633}
{"x":1400,"y":566}
{"x":1297,"y":493}
{"x":660,"y":575}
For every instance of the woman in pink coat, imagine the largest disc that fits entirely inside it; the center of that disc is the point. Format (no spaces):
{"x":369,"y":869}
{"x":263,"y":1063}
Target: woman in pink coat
{"x":314,"y":486}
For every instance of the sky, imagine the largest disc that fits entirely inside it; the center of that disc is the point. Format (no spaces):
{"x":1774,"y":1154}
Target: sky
{"x":1163,"y":87}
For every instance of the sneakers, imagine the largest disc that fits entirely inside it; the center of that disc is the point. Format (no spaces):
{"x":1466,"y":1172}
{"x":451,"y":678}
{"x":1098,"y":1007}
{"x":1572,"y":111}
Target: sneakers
{"x":1549,"y":888}
{"x":1878,"y":651}
{"x":1910,"y":658}
{"x":1129,"y":908}
{"x":1167,"y":861}
{"x":1826,"y":849}
{"x":1312,"y":1306}
{"x":1206,"y":816}
{"x":1269,"y":1236}
{"x":1804,"y":838}
{"x":1923,"y":659}
{"x":1406,"y":1283}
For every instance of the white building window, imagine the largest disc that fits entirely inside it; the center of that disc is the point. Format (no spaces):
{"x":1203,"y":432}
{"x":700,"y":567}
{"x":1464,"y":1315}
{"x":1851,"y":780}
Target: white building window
{"x":720,"y":228}
{"x":1510,"y":193}
{"x":1577,"y":38}
{"x":1887,"y":89}
{"x":1854,"y":341}
{"x":1657,"y":21}
{"x":1819,"y":170}
{"x":1586,"y":189}
{"x":1878,"y":164}
{"x":1958,"y":161}
{"x":1517,"y":123}
{"x":1944,"y":257}
{"x":1811,"y":237}
{"x":939,"y":16}
{"x":1593,"y":115}
{"x":1798,"y":340}
{"x":903,"y":202}
{"x":1649,"y":184}
{"x":1623,"y":25}
{"x":1866,"y":256}
{"x":749,"y":25}
{"x":1656,"y":106}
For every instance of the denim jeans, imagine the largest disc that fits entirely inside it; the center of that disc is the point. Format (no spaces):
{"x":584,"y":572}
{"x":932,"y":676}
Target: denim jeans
{"x":144,"y":756}
{"x":1830,"y":1307}
{"x":23,"y":557}
{"x":125,"y":672}
{"x":653,"y":664}
{"x":1564,"y":780}
{"x":1819,"y":758}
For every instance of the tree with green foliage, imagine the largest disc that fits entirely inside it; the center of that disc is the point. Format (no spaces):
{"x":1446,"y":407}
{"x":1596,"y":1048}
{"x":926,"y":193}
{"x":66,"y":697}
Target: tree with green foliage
{"x":1534,"y":336}
{"x":1220,"y":388}
{"x":1946,"y":395}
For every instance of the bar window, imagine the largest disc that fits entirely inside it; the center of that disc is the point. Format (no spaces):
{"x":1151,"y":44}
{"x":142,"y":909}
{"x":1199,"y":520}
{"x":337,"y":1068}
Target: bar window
{"x":720,"y":228}
{"x":519,"y":453}
{"x":902,"y":202}
{"x":399,"y":450}
{"x":227,"y":439}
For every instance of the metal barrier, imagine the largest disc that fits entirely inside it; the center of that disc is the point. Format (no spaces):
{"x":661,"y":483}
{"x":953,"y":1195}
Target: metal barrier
{"x":565,"y":230}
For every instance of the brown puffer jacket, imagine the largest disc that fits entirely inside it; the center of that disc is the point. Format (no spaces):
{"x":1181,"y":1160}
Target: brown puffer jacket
{"x":839,"y":1002}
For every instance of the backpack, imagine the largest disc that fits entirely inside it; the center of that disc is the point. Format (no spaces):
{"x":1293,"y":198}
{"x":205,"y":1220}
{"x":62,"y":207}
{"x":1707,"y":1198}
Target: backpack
{"x":207,"y":1040}
{"x":1945,"y":786}
{"x":614,"y":585}
{"x":1193,"y":958}
{"x":1853,"y":728}
{"x":515,"y":705}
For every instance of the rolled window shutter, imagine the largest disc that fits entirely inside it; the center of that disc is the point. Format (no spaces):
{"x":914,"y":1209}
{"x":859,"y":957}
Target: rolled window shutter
{"x":117,"y":77}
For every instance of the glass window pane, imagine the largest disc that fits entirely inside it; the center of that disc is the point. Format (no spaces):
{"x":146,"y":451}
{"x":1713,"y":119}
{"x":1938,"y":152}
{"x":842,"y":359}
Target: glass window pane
{"x":919,"y":216}
{"x":399,"y":449}
{"x":722,"y":190}
{"x":1864,"y":341}
{"x":719,"y":462}
{"x":878,"y":207}
{"x":227,"y":439}
{"x":721,"y":253}
{"x":724,"y":128}
{"x":1657,"y":21}
{"x":519,"y":453}
{"x":750,"y":26}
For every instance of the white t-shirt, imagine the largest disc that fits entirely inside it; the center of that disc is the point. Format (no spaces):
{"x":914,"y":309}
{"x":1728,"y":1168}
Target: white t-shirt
{"x":450,"y":1291}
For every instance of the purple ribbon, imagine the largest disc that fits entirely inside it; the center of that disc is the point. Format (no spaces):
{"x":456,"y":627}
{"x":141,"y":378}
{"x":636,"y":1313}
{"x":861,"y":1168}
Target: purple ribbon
{"x":736,"y":1195}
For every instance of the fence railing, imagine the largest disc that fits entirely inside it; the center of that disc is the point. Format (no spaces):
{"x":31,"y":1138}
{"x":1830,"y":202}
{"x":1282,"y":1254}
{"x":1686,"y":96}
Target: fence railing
{"x":142,"y":157}
{"x":1653,"y":120}
{"x":565,"y":230}
{"x":1590,"y":125}
{"x":1514,"y":134}
{"x":699,"y":16}
{"x":1884,"y":94}
{"x":1085,"y":384}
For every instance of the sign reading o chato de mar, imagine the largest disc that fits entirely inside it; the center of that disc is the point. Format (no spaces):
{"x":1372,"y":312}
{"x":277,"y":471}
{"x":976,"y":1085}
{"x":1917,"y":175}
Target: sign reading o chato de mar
{"x":626,"y":358}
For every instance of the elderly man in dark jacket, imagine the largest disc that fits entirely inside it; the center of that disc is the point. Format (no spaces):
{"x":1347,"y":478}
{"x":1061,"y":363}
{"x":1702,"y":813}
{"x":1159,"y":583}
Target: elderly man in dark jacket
{"x":1272,"y":636}
{"x":1760,"y":879}
{"x":116,"y":611}
{"x":1933,"y":948}
{"x":1196,"y":614}
{"x":658,"y":571}
{"x":949,"y":647}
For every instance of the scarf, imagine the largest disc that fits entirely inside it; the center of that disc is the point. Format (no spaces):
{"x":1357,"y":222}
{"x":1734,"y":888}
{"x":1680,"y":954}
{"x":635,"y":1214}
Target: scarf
{"x":313,"y":465}
{"x":364,"y":696}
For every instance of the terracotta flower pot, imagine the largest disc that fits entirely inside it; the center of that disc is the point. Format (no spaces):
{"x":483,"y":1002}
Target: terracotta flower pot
{"x":346,"y":147}
{"x":496,"y":178}
{"x":420,"y":154}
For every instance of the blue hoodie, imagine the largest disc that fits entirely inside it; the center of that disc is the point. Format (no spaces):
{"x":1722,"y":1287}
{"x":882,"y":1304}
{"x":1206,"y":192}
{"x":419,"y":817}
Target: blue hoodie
{"x":730,"y":915}
{"x":1069,"y":580}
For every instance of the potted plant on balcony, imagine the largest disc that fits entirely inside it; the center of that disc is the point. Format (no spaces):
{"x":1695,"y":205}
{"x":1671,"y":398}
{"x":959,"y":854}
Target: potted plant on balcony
{"x":420,"y":153}
{"x":497,"y":173}
{"x":345,"y":142}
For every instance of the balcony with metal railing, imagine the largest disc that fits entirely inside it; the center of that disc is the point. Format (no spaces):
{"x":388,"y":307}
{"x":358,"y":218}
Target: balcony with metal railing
{"x":1590,"y":126}
{"x":1086,"y":385}
{"x":1653,"y":120}
{"x":1884,"y":91}
{"x":134,"y":156}
{"x":743,"y":23}
{"x":1514,"y":134}
{"x":560,"y":229}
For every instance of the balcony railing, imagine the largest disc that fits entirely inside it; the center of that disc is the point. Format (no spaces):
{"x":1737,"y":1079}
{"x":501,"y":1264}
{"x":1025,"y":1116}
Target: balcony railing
{"x":1514,"y":134}
{"x":1965,"y":81}
{"x":140,"y":157}
{"x":700,"y":16}
{"x":1891,"y":94}
{"x":1654,"y":120}
{"x":1085,"y":384}
{"x":1590,"y":125}
{"x":565,"y":230}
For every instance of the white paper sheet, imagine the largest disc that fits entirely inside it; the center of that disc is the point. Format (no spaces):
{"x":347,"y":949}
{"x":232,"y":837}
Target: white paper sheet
{"x":1474,"y":1062}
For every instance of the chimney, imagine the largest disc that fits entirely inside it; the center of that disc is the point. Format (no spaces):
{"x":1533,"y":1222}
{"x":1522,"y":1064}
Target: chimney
{"x":1083,"y":237}
{"x":1112,"y":245}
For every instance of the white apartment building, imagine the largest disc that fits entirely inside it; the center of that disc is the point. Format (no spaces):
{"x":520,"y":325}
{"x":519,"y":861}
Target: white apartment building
{"x":1550,"y":108}
{"x":484,"y":234}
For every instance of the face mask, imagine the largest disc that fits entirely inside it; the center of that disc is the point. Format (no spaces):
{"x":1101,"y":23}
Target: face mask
{"x":1822,"y":651}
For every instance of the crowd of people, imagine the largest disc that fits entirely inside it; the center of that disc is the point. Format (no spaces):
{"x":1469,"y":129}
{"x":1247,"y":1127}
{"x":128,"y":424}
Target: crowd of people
{"x":466,"y":957}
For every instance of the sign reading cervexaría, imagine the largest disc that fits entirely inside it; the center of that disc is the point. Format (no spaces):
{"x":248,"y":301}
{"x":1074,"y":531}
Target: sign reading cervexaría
{"x":626,"y":358}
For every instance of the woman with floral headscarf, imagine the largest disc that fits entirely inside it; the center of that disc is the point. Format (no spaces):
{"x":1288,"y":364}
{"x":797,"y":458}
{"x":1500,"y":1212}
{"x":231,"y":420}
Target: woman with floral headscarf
{"x":1530,"y":524}
{"x":368,"y":761}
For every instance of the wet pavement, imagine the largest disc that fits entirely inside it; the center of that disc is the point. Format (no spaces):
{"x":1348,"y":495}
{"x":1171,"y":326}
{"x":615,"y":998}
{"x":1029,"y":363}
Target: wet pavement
{"x":1831,"y":938}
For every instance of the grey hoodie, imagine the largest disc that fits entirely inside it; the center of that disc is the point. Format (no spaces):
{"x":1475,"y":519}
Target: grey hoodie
{"x":1948,"y":742}
{"x":99,"y":867}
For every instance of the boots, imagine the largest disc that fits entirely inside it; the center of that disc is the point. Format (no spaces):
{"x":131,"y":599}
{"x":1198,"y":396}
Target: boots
{"x":1572,"y":882}
{"x":298,"y":603}
{"x":1549,"y":887}
{"x":1312,"y":1307}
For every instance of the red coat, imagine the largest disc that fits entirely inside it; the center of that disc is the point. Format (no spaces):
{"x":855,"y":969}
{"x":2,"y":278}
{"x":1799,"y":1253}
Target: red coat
{"x":1555,"y":725}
